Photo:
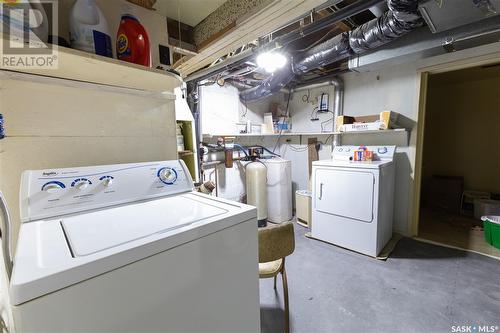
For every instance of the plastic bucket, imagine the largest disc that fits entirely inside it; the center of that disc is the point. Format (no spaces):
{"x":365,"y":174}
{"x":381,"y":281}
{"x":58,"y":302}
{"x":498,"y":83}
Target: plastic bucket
{"x":491,"y":226}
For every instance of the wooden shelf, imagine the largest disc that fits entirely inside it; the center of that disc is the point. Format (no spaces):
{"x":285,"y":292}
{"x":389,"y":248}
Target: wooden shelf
{"x":399,"y":136}
{"x":209,"y":136}
{"x":91,"y":68}
{"x":390,"y":131}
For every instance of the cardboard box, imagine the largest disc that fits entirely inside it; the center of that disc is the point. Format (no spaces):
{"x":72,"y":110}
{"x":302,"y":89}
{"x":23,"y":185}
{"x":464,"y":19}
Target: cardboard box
{"x":385,"y":120}
{"x":148,"y":4}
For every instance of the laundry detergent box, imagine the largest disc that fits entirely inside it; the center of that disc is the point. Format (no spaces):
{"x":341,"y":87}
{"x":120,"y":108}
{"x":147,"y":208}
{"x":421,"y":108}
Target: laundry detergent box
{"x":384,"y":120}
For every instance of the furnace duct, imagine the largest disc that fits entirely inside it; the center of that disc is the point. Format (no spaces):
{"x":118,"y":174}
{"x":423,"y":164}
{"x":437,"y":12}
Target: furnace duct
{"x":401,"y":18}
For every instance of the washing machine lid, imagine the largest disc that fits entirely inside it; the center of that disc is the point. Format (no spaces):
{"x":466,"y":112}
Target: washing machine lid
{"x":100,"y":230}
{"x":54,"y":254}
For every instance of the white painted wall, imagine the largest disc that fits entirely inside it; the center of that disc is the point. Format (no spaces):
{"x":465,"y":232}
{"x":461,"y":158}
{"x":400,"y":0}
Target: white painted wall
{"x":393,"y":88}
{"x":219,"y":109}
{"x":396,"y":89}
{"x":220,"y":113}
{"x":53,"y":123}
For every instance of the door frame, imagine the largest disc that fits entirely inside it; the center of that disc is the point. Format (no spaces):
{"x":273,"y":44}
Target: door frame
{"x":423,"y":75}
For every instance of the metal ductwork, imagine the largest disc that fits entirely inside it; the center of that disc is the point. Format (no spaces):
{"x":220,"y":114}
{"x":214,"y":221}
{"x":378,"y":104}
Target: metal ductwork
{"x":271,"y":85}
{"x":401,"y":18}
{"x":445,"y":15}
{"x":334,"y":49}
{"x":424,"y":44}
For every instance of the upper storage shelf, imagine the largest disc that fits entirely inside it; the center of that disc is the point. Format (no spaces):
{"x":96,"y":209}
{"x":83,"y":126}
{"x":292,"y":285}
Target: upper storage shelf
{"x":398,"y":137}
{"x":86,"y":67}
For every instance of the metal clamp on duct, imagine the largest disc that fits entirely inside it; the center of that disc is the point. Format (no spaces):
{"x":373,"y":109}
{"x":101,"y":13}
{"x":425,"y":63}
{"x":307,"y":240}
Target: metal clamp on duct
{"x":402,"y":17}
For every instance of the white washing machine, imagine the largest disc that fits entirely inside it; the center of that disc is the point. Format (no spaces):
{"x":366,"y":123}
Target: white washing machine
{"x":130,"y":248}
{"x":353,"y":201}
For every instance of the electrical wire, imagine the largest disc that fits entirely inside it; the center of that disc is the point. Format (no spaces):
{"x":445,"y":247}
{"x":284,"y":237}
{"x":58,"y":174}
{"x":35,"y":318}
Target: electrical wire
{"x":240,"y":147}
{"x":265,"y":149}
{"x":298,"y":149}
{"x":246,"y":108}
{"x":318,"y":41}
{"x":305,"y":98}
{"x":326,"y":141}
{"x":326,"y":121}
{"x":313,"y":117}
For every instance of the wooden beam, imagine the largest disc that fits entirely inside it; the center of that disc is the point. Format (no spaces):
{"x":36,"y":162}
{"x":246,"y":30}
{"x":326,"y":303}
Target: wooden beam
{"x":182,"y":44}
{"x":217,"y":36}
{"x":270,"y":18}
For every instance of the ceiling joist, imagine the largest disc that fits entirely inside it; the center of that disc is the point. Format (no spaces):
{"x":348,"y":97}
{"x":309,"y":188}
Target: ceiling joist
{"x":270,"y":17}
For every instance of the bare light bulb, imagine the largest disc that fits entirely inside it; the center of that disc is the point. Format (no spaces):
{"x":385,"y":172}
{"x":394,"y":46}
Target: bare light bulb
{"x":271,"y":61}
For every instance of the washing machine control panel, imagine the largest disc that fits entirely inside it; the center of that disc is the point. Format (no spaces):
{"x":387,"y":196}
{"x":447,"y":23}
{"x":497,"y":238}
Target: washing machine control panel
{"x":56,"y":192}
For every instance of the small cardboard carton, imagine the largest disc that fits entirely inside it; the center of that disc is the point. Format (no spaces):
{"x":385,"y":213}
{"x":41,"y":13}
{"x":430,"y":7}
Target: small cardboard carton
{"x":385,"y":120}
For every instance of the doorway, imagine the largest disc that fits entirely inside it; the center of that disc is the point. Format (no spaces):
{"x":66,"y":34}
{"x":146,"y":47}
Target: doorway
{"x":460,"y":161}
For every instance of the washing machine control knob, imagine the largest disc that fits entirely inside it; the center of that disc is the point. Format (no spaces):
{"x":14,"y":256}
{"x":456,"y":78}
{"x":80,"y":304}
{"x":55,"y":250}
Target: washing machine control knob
{"x":107,"y":182}
{"x":82,"y":185}
{"x":52,"y":187}
{"x":167,"y":175}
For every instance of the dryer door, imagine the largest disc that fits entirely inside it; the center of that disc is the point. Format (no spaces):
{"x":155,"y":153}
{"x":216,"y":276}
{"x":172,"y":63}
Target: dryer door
{"x":345,"y":193}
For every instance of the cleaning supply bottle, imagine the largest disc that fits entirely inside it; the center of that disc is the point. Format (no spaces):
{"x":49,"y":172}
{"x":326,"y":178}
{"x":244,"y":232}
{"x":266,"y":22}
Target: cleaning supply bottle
{"x":2,"y":130}
{"x":132,"y":41}
{"x":89,"y":29}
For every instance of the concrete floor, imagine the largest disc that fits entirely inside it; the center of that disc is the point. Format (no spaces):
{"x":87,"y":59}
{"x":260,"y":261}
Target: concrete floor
{"x":454,"y":230}
{"x":420,"y":288}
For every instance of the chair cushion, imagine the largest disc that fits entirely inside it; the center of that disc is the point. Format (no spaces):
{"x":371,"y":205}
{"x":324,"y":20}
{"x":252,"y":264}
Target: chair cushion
{"x":270,"y":269}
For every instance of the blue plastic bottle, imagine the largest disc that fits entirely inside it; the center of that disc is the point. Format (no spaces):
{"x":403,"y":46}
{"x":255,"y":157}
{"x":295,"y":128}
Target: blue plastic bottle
{"x":2,"y":130}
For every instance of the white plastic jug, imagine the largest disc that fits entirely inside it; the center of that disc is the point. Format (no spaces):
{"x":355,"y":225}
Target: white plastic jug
{"x":89,"y":29}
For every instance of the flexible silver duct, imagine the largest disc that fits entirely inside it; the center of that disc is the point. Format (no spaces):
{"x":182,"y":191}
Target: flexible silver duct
{"x":332,"y":50}
{"x":271,"y":85}
{"x":402,"y":17}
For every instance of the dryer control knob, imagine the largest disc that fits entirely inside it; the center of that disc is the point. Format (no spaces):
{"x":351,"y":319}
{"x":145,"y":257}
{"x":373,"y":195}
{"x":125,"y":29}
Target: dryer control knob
{"x":382,"y":150}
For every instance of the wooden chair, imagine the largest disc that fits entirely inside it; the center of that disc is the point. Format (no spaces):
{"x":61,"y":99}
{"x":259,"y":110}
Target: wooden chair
{"x":275,"y":243}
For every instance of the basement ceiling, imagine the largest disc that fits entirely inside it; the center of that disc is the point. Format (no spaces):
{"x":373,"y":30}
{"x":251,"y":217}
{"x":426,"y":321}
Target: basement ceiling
{"x":190,"y":12}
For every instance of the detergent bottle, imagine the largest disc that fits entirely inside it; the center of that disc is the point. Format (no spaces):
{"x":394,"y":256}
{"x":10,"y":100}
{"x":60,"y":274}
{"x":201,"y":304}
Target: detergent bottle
{"x":89,"y":29}
{"x":132,"y":41}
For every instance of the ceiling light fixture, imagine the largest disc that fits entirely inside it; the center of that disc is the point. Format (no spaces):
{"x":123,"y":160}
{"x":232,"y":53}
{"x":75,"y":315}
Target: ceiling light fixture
{"x":271,"y":61}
